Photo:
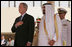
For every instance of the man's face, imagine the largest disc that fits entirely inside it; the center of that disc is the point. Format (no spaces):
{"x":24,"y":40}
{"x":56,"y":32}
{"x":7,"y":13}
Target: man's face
{"x":2,"y":37}
{"x":22,"y":9}
{"x":9,"y":39}
{"x":43,"y":9}
{"x":62,"y":15}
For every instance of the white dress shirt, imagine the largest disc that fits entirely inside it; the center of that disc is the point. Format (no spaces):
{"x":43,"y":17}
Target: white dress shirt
{"x":2,"y":42}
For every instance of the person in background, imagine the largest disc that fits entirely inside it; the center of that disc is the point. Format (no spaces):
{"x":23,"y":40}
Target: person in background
{"x":10,"y":42}
{"x":66,"y":27}
{"x":3,"y":41}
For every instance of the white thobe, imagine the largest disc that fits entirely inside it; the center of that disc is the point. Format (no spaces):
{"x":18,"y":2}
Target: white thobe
{"x":66,"y":34}
{"x":49,"y":19}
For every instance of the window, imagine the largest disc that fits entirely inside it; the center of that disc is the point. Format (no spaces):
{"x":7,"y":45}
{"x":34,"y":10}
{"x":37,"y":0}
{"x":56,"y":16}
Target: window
{"x":37,"y":3}
{"x":44,"y":2}
{"x":63,"y":3}
{"x":11,"y":3}
{"x":34,"y":3}
{"x":29,"y":3}
{"x":70,"y":4}
{"x":4,"y":4}
{"x":57,"y":3}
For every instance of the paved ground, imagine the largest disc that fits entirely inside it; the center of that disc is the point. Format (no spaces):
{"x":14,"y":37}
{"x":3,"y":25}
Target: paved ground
{"x":35,"y":40}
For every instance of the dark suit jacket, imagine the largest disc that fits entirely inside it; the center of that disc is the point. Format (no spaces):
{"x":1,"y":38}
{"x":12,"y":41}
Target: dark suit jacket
{"x":24,"y":32}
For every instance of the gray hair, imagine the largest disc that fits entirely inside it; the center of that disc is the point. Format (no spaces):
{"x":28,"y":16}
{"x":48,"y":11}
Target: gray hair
{"x":25,"y":5}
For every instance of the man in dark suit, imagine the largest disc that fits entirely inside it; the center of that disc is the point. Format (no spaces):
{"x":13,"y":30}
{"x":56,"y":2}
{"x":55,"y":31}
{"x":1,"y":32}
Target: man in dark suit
{"x":23,"y":27}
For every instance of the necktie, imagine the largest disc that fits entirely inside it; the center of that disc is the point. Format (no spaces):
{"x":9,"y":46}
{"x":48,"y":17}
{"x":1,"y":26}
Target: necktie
{"x":20,"y":18}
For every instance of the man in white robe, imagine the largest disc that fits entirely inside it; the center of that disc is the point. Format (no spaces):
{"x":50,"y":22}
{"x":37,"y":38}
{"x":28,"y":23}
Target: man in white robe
{"x":50,"y":28}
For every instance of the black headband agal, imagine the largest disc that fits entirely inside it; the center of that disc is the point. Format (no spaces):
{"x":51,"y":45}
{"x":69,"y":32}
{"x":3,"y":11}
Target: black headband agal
{"x":47,"y":4}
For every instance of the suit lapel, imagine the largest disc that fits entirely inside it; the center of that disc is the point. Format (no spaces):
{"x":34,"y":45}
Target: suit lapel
{"x":24,"y":17}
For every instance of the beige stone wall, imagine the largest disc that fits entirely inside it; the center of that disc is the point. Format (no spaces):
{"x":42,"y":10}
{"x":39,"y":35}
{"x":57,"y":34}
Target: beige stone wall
{"x":8,"y":16}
